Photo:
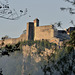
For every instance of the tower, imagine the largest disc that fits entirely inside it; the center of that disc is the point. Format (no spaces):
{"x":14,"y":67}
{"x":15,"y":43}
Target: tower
{"x":36,"y":24}
{"x":30,"y":31}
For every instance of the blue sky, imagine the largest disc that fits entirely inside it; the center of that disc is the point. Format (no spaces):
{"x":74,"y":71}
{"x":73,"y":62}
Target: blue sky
{"x":47,"y":11}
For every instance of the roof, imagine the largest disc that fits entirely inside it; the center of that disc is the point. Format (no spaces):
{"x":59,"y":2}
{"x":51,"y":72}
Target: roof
{"x":62,"y":31}
{"x":70,"y":29}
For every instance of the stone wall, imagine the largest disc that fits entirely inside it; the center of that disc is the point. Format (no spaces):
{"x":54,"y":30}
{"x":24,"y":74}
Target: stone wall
{"x":22,"y":37}
{"x":7,"y":41}
{"x":14,"y":40}
{"x":0,"y":42}
{"x":44,"y":32}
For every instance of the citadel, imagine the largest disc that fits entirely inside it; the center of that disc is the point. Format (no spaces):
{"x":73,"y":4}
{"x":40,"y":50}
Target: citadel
{"x":36,"y":32}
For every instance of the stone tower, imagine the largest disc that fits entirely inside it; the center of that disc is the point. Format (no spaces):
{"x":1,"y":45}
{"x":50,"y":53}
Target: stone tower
{"x":30,"y":31}
{"x":36,"y":24}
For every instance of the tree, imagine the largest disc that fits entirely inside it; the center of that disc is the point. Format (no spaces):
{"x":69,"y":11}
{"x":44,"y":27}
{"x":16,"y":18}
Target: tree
{"x":7,"y":13}
{"x":72,"y":39}
{"x":5,"y":37}
{"x":58,"y":24}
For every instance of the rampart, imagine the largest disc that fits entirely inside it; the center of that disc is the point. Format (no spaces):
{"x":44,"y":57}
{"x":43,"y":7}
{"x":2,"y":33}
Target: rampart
{"x":44,"y":32}
{"x":13,"y":40}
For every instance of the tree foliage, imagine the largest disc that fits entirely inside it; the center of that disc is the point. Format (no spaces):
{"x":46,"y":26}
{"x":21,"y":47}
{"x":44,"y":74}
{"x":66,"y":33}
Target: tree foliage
{"x":5,"y":37}
{"x":72,"y":38}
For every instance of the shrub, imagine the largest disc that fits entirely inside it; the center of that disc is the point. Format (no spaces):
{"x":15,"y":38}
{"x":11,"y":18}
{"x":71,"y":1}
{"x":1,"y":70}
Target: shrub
{"x":69,"y":49}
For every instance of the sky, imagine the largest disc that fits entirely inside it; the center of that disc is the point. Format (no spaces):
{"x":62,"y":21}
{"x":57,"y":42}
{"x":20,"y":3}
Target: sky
{"x":47,"y":11}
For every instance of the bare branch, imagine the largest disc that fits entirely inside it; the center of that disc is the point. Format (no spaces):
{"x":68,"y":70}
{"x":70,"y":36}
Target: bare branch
{"x":72,"y":22}
{"x":70,"y":9}
{"x":62,"y":8}
{"x":70,"y":1}
{"x":11,"y":14}
{"x":58,"y":24}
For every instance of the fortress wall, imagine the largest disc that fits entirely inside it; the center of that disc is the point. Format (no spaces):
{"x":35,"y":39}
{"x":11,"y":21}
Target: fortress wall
{"x":22,"y":37}
{"x":44,"y":32}
{"x":0,"y":42}
{"x":14,"y":40}
{"x":11,"y":41}
{"x":7,"y":41}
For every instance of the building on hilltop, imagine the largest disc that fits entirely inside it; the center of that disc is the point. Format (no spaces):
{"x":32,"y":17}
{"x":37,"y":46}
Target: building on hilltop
{"x":48,"y":32}
{"x":36,"y":32}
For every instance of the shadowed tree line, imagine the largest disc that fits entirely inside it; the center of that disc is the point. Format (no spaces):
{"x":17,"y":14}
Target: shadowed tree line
{"x":63,"y":60}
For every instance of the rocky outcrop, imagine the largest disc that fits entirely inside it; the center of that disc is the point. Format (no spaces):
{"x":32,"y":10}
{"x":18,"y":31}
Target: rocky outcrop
{"x":33,"y":52}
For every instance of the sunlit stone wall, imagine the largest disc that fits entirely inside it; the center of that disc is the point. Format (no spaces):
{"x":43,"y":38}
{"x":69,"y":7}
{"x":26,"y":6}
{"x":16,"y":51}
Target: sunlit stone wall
{"x":13,"y":40}
{"x":44,"y":32}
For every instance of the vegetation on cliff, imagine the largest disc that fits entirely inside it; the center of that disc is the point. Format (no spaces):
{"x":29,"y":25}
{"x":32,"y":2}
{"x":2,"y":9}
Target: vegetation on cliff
{"x":61,"y":61}
{"x":58,"y":60}
{"x":72,"y":39}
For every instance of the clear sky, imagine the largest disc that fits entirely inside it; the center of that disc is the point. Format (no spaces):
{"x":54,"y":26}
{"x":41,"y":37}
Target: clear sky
{"x":47,"y":11}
